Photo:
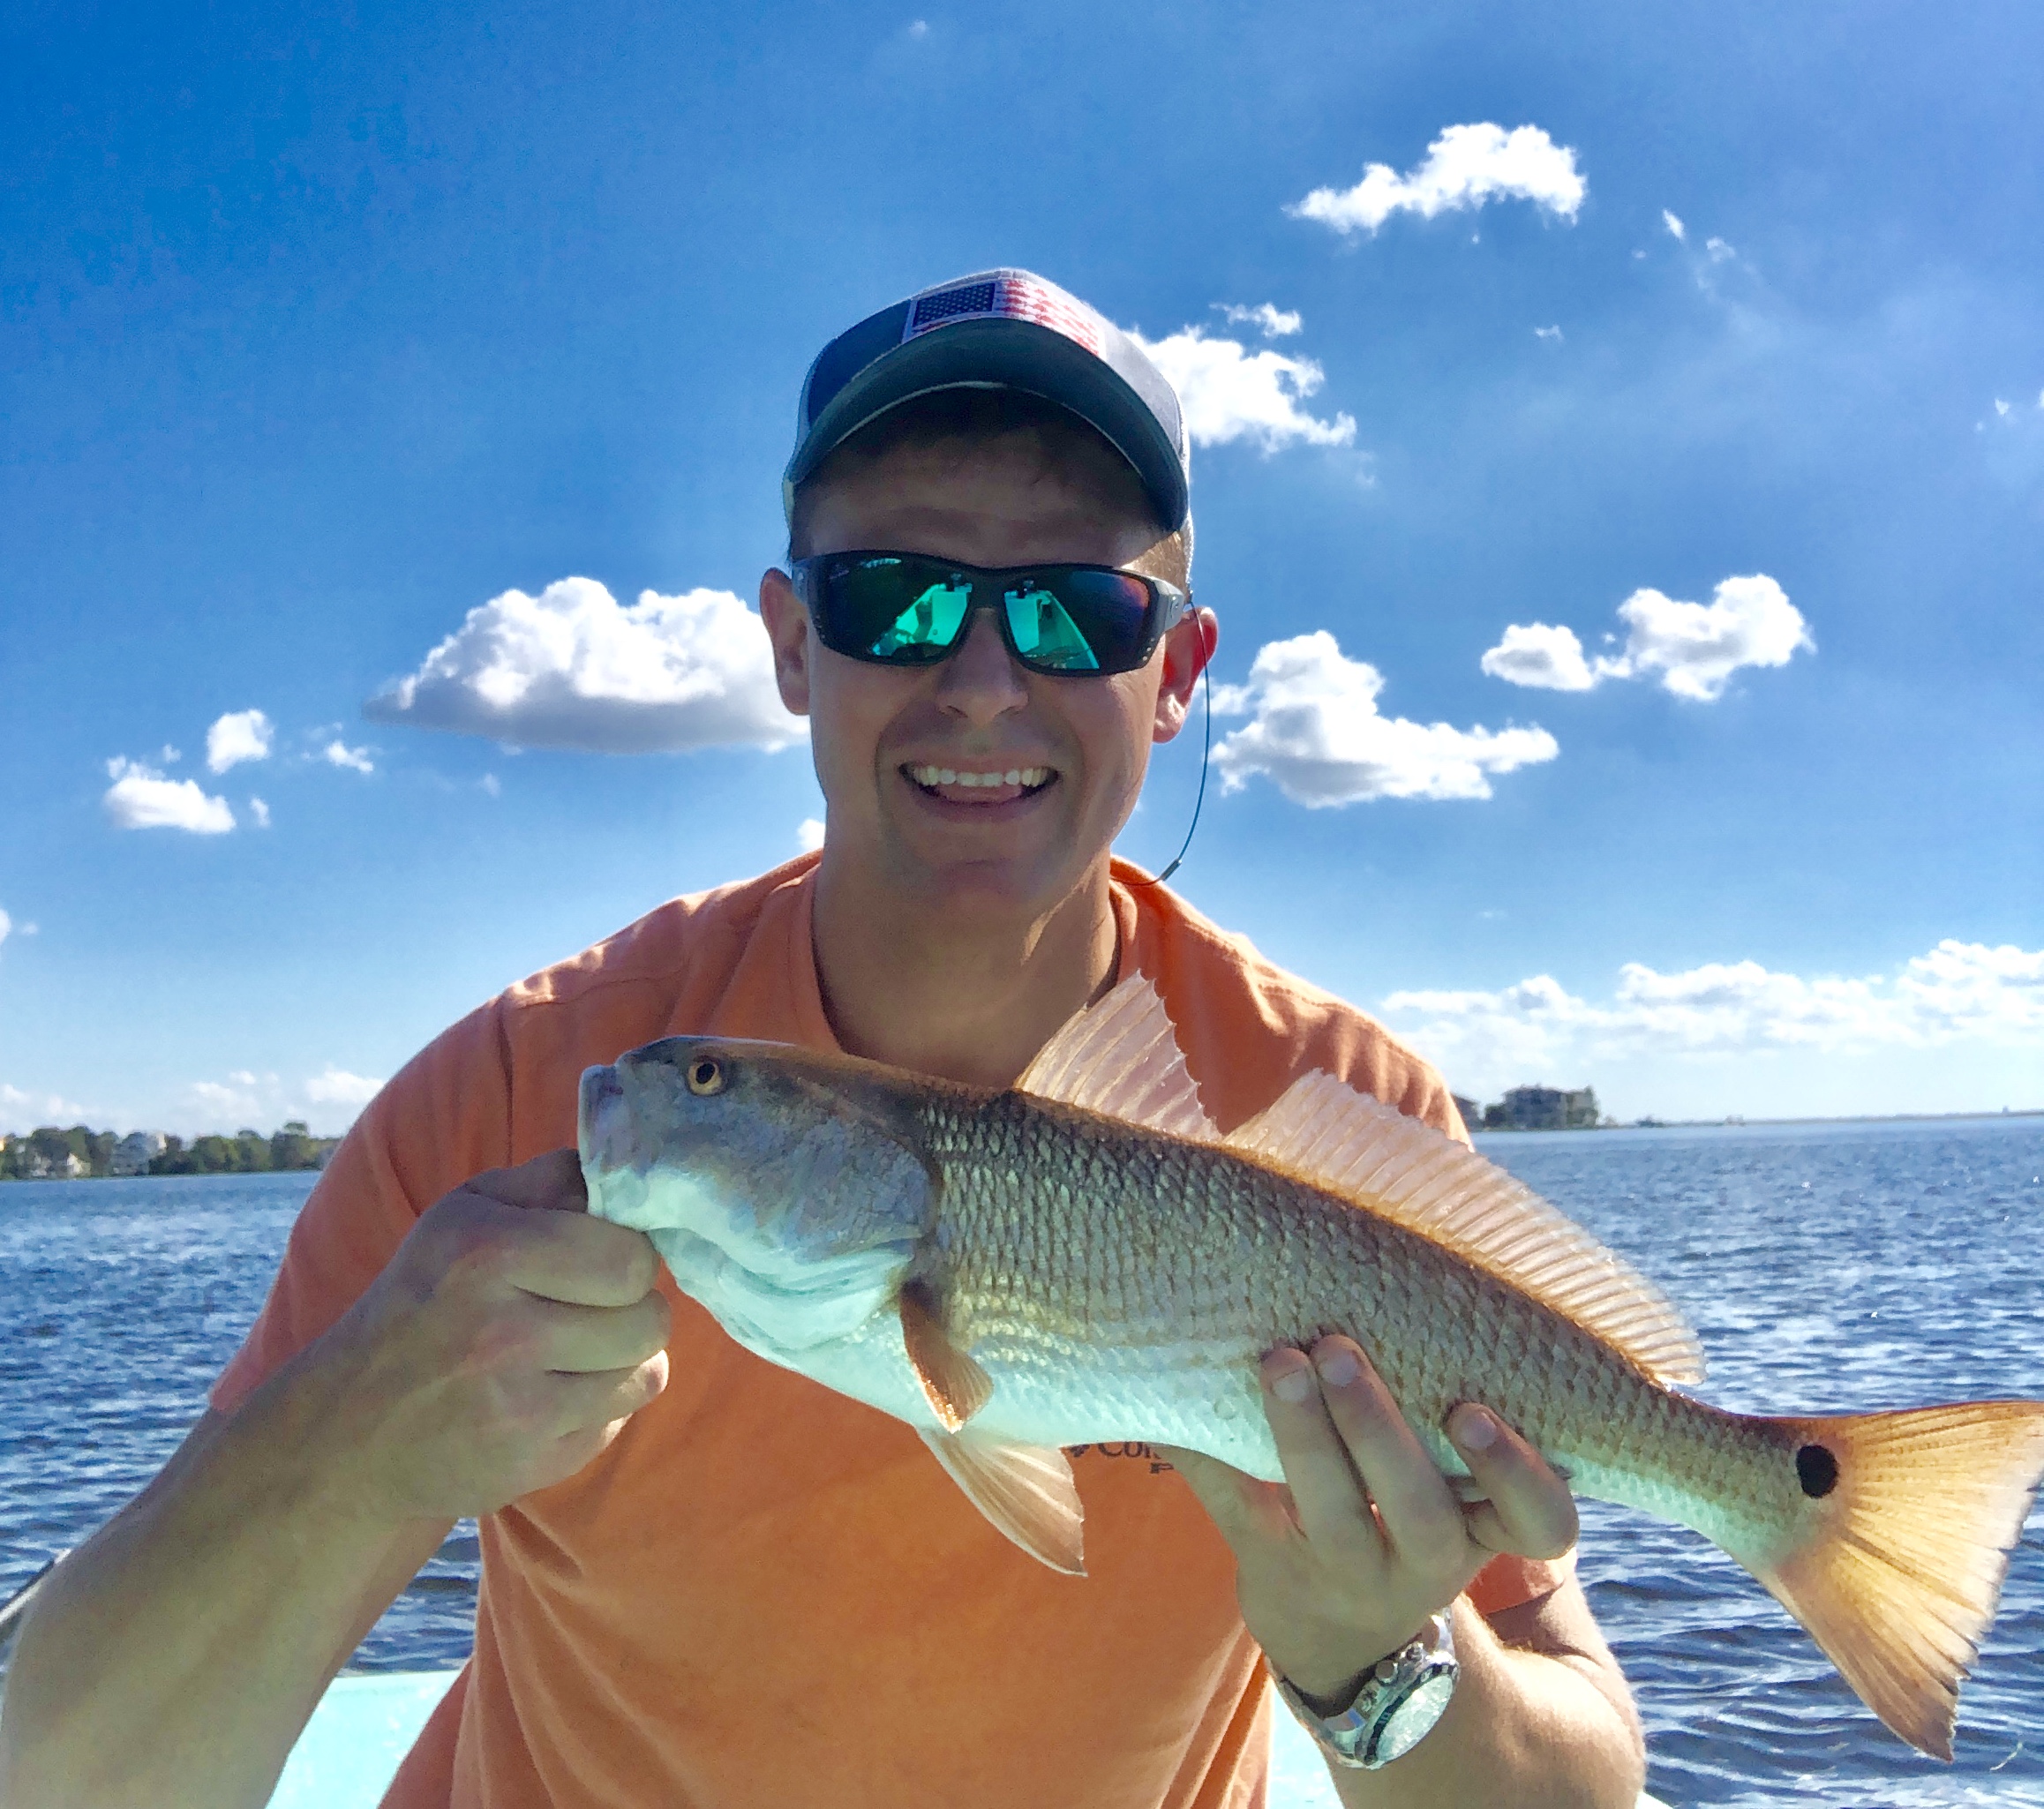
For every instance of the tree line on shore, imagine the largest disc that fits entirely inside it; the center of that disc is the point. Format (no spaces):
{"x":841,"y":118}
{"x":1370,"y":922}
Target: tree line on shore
{"x":49,"y":1153}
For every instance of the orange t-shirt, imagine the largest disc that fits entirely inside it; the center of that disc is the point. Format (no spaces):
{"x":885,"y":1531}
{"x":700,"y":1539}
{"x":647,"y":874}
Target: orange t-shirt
{"x":763,"y":1592}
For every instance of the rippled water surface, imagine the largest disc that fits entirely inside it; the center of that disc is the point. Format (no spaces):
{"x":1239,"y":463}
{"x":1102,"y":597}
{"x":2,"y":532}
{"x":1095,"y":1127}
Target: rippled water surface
{"x":1828,"y":1267}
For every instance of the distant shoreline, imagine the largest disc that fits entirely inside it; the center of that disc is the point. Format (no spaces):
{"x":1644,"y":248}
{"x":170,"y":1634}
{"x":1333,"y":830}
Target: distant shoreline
{"x":1749,"y":1123}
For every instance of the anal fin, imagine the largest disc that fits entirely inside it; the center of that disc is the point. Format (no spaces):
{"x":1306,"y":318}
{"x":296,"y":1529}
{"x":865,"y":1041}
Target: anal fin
{"x":1026,"y":1491}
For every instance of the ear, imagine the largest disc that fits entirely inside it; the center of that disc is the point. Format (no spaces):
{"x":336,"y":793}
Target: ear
{"x":1187,"y":649}
{"x":787,"y":626}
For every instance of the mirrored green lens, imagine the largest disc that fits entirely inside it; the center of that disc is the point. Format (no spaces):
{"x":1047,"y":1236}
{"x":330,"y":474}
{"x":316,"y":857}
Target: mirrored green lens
{"x":878,"y":611}
{"x":1044,"y":631}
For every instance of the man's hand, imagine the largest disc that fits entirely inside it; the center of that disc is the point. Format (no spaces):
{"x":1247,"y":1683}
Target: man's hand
{"x":1327,"y":1585}
{"x":502,"y":1347}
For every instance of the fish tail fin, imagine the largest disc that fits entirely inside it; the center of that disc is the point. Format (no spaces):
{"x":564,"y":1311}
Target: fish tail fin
{"x":1917,"y":1512}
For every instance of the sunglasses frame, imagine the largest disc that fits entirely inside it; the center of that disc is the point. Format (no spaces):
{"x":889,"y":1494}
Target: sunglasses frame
{"x":1167,"y":606}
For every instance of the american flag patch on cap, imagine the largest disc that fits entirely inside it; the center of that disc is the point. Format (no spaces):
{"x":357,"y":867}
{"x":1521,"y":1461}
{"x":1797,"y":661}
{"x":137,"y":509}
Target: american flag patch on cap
{"x":1008,"y":296}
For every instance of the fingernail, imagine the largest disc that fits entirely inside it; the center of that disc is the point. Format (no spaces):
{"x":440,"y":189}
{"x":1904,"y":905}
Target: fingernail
{"x":1339,"y":1368}
{"x":1475,"y":1430}
{"x":1293,"y":1386}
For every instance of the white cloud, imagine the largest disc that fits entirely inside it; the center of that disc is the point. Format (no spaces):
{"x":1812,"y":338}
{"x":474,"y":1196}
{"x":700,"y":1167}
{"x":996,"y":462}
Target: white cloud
{"x":919,"y":28}
{"x":141,"y":798}
{"x":1465,"y":167}
{"x":2001,"y":407}
{"x":1316,"y":732}
{"x":1674,"y":226}
{"x":245,"y":734}
{"x":572,"y":668}
{"x":260,"y":812}
{"x":1553,"y":332}
{"x":1718,"y":250}
{"x":1958,"y":992}
{"x":1229,"y":392}
{"x":1541,"y":655}
{"x":338,"y":752}
{"x":338,"y":1087}
{"x":809,"y":834}
{"x":25,"y":1110}
{"x":491,"y":785}
{"x":1696,"y":647}
{"x":6,"y":925}
{"x":1268,"y":318}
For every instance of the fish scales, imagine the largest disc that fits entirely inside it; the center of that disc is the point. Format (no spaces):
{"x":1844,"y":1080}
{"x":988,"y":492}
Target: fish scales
{"x":1015,"y":1271}
{"x":1044,"y":1273}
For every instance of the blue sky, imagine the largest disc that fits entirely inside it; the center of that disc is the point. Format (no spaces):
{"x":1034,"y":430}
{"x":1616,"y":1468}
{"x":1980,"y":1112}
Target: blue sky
{"x":324,"y":328}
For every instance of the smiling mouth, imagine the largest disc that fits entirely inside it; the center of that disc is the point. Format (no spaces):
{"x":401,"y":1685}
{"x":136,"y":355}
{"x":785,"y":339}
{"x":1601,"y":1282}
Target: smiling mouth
{"x":997,"y":785}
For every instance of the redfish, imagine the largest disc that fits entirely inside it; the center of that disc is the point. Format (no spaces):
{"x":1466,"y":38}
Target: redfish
{"x":1082,"y":1257}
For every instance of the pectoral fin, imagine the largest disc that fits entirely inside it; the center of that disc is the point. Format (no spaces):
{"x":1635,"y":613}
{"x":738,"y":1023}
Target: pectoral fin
{"x":957,"y":1386}
{"x":1027,"y":1491}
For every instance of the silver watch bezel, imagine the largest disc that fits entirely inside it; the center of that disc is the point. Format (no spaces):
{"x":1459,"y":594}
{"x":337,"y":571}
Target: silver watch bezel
{"x":1397,"y":1706}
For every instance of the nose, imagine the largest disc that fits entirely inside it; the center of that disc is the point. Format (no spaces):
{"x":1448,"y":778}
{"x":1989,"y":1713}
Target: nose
{"x":981,"y":682}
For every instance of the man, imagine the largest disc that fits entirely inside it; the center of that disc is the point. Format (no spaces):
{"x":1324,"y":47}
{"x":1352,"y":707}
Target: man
{"x":706,"y":1579}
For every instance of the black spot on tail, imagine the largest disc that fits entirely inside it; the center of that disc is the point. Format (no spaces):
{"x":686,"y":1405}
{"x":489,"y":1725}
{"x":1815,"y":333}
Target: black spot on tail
{"x":1817,"y":1471}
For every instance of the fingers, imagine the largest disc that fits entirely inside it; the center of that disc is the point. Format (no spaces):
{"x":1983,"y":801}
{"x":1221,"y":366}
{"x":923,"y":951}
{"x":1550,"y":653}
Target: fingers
{"x":552,"y":1182}
{"x":574,"y":1339}
{"x":1343,"y":1442}
{"x":564,"y":1256}
{"x":1531,"y":1512}
{"x":588,"y":1403}
{"x":1241,"y":1506}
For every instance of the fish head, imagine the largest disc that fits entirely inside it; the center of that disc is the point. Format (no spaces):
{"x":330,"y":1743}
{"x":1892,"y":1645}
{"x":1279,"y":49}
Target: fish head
{"x":787,"y":1191}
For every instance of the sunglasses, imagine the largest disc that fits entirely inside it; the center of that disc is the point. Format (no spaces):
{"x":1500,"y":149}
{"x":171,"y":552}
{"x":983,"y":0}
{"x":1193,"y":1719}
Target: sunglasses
{"x":905,"y":608}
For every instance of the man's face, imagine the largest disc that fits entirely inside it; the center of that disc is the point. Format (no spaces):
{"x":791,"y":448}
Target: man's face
{"x":885,"y":737}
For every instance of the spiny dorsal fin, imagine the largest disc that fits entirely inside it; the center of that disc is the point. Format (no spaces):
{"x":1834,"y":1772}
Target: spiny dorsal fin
{"x":1120,"y":1058}
{"x":1337,"y":1138}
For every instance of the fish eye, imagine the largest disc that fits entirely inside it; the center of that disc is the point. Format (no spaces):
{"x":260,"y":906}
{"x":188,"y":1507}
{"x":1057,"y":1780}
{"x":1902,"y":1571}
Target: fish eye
{"x":705,"y":1076}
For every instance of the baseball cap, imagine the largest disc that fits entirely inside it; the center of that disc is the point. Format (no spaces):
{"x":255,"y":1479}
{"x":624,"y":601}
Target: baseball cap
{"x":999,"y":329}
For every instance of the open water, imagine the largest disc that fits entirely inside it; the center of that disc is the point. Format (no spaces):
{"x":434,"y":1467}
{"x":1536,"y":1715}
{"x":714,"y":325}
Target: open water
{"x":1828,"y":1267}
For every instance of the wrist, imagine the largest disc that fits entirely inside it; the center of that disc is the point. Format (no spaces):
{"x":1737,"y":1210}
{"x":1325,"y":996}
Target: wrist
{"x":1329,"y":1687}
{"x":1394,"y":1705}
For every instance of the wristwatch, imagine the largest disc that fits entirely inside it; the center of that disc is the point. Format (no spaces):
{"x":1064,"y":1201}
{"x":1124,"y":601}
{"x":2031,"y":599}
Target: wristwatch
{"x":1401,"y":1698}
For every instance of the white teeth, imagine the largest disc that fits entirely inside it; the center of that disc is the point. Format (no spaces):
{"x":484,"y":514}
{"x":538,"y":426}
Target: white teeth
{"x":1027,"y":776}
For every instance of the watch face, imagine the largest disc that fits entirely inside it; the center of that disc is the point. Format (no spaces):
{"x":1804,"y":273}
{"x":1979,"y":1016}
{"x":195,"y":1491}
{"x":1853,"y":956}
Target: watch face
{"x":1408,"y":1724}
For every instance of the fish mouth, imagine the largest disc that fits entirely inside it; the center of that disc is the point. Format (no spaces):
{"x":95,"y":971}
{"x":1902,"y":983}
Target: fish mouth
{"x":979,"y":784}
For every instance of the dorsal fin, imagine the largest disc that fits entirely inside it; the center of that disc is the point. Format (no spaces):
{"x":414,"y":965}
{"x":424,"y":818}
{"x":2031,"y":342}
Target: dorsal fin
{"x":1120,"y":1057}
{"x":1348,"y":1143}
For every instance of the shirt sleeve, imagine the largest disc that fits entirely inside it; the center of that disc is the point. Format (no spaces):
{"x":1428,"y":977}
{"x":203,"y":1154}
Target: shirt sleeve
{"x":444,"y":1117}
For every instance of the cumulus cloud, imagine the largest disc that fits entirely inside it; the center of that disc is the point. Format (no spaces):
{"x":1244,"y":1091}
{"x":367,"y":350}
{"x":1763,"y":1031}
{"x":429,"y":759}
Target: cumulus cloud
{"x":1553,"y":332}
{"x":572,"y":668}
{"x":335,"y":1087}
{"x":141,"y":798}
{"x":809,"y":834}
{"x":245,"y":734}
{"x":1957,"y":992}
{"x":1675,"y":227}
{"x":260,"y":812}
{"x":1694,"y":647}
{"x":1718,"y":251}
{"x":1465,"y":167}
{"x":1315,"y":731}
{"x":338,"y":752}
{"x":1269,"y":319}
{"x":1230,"y":392}
{"x":1542,"y":655}
{"x":23,"y":1110}
{"x":243,"y":1098}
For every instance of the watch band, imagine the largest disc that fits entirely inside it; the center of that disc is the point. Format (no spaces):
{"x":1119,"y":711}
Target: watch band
{"x":1401,"y":1698}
